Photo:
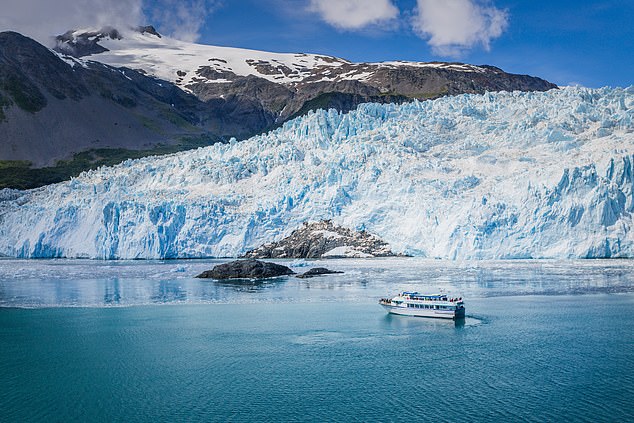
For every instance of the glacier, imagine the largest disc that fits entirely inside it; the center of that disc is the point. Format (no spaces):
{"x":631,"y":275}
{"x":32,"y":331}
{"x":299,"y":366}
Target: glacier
{"x":500,"y":175}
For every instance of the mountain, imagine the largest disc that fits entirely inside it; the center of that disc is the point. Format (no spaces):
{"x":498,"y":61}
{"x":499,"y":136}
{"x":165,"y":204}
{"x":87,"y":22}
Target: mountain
{"x":53,"y":106}
{"x":499,"y":175}
{"x":107,"y":95}
{"x":280,"y":86}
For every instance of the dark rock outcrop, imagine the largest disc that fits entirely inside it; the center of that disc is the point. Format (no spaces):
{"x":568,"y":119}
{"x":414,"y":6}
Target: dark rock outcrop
{"x":324,"y":240}
{"x":246,"y":269}
{"x":274,"y":103}
{"x":88,"y":44}
{"x":317,"y":271}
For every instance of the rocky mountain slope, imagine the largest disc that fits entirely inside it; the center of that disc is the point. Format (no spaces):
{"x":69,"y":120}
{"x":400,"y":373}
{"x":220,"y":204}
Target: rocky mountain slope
{"x":324,"y":240}
{"x":53,"y":106}
{"x":277,"y":86}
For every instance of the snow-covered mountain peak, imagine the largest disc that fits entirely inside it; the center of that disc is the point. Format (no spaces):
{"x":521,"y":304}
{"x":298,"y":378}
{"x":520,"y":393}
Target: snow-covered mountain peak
{"x":187,"y":63}
{"x":88,"y":33}
{"x":182,"y":62}
{"x":275,"y":87}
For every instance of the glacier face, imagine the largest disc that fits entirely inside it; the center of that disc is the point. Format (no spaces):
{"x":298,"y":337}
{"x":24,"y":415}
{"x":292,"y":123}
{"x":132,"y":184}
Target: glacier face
{"x":504,"y":175}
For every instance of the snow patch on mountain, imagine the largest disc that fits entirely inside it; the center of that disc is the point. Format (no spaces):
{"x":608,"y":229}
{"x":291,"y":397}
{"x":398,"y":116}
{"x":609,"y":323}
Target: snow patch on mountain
{"x":177,"y":61}
{"x":186,"y":63}
{"x":504,"y":175}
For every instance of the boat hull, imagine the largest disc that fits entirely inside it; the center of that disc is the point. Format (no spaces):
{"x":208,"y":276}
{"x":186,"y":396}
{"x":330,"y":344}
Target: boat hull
{"x":417,"y":312}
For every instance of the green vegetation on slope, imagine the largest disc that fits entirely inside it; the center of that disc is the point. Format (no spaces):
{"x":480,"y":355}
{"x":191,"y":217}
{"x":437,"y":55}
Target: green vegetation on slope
{"x":20,"y":175}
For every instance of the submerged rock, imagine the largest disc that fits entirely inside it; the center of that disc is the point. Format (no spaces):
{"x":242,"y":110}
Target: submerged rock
{"x":324,"y":239}
{"x":317,"y":271}
{"x":246,"y":269}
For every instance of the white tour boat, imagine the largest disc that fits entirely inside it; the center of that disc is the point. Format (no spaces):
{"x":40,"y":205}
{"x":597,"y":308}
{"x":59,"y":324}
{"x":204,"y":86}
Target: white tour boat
{"x":420,"y":305}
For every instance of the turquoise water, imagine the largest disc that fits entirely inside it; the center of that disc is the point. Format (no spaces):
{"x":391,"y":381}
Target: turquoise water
{"x":542,"y":341}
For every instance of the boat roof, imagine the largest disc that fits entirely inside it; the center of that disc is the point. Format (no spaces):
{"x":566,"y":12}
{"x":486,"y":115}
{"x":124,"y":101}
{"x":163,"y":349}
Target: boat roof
{"x":418,"y":294}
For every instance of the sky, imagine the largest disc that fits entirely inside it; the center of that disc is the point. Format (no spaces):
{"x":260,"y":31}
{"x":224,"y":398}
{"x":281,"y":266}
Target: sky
{"x":588,"y":43}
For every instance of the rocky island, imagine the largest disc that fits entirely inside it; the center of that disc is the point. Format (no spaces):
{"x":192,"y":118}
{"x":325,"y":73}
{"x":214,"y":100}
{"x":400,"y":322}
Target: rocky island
{"x":246,"y":269}
{"x":324,"y":239}
{"x":317,"y":271}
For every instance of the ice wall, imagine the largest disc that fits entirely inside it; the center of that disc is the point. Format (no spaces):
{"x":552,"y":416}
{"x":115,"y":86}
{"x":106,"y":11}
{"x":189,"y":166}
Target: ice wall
{"x":504,"y":175}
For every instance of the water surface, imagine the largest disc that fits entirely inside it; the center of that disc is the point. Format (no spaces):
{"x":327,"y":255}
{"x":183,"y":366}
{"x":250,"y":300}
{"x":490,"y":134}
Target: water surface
{"x":145,"y":342}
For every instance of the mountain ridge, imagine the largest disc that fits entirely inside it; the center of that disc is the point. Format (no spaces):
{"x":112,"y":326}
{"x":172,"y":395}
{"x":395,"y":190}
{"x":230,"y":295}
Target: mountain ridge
{"x":282,"y":83}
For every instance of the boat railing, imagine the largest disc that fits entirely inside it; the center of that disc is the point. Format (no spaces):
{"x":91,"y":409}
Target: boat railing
{"x":445,"y":299}
{"x":454,"y":300}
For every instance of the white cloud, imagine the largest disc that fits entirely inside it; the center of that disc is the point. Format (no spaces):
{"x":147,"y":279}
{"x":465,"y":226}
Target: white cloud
{"x":354,"y":14}
{"x":43,"y":19}
{"x":453,"y":26}
{"x":182,"y":19}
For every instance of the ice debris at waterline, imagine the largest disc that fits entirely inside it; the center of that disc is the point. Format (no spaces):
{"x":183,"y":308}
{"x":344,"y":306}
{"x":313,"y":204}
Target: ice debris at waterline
{"x":503,"y":175}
